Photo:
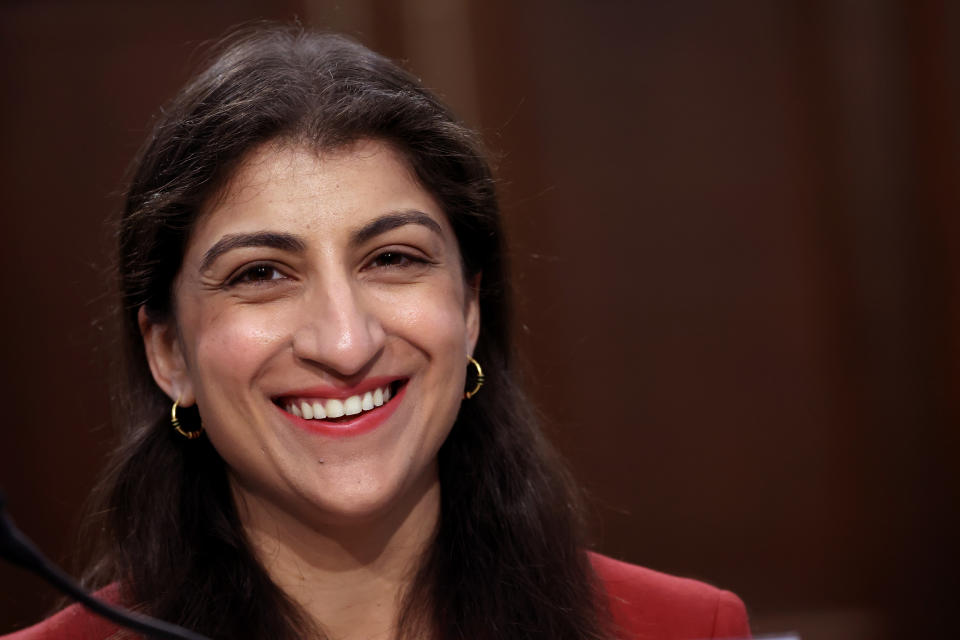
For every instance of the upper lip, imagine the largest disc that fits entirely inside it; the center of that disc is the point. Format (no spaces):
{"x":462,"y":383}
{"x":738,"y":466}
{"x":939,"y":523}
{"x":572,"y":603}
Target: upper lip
{"x":330,"y":391}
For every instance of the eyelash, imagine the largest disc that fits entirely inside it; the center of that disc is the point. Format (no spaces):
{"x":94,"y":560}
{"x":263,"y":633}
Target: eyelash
{"x":407,"y":260}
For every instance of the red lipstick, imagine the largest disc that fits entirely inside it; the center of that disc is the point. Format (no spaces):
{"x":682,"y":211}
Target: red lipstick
{"x":327,"y":391}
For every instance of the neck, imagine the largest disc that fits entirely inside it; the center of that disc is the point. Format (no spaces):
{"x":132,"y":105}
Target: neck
{"x":349,"y":578}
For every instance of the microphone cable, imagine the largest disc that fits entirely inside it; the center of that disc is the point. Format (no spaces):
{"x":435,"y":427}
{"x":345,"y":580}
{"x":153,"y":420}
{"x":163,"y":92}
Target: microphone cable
{"x":19,"y":550}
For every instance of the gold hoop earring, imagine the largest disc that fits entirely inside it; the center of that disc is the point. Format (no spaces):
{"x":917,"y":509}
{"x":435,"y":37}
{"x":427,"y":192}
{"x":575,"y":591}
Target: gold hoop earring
{"x":480,"y":379}
{"x":189,"y":435}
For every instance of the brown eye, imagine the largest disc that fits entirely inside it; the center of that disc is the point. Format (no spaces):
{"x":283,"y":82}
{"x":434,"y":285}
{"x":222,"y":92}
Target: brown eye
{"x":392,"y":259}
{"x":256,"y":274}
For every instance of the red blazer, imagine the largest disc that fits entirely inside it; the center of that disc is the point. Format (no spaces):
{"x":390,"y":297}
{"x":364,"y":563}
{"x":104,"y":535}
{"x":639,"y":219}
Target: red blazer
{"x":644,"y":604}
{"x":649,"y":605}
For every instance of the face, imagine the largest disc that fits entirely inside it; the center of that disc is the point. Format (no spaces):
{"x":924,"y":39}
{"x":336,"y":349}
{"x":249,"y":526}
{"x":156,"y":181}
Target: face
{"x":322,"y":327}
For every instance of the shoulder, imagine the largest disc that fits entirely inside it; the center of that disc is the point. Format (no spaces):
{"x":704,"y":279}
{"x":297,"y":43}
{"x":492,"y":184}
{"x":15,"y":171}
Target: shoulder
{"x":650,"y":605}
{"x":72,"y":623}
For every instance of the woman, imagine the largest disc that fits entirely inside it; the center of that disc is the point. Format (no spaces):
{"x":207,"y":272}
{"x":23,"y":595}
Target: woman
{"x":312,"y":276}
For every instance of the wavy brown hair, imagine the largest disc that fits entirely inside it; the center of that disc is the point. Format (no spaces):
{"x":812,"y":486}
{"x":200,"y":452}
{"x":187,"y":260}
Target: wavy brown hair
{"x":507,"y":559}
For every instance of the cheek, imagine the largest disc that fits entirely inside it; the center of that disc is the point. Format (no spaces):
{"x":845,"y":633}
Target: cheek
{"x":432,"y":319}
{"x":234,"y":346}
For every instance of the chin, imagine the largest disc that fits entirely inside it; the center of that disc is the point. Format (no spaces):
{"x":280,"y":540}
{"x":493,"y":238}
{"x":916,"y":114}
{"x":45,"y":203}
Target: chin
{"x":364,"y":502}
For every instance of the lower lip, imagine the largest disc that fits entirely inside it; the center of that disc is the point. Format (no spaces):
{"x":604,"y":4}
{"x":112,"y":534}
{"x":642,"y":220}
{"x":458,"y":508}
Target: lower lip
{"x":359,"y":424}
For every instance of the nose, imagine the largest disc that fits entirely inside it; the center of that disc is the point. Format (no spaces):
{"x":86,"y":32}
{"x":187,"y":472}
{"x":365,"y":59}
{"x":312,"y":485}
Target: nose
{"x":338,"y":328}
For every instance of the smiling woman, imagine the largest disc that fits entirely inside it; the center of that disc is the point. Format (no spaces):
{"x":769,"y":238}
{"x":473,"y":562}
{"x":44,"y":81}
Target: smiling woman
{"x":304,"y":287}
{"x":312,"y":272}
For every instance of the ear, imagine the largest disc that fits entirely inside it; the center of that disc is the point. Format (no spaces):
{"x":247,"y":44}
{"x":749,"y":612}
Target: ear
{"x":165,"y":356}
{"x":472,"y":312}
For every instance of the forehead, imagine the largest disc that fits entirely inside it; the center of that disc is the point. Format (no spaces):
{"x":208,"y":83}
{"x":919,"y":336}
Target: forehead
{"x":292,"y":187}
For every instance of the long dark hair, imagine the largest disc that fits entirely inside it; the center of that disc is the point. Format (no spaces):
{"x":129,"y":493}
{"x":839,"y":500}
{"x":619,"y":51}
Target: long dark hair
{"x":507,"y":560}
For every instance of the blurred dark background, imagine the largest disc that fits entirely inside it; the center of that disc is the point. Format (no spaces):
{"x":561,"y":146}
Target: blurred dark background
{"x":736,"y":233}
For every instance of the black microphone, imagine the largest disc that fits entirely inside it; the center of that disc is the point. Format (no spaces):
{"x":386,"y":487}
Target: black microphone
{"x":18,"y":549}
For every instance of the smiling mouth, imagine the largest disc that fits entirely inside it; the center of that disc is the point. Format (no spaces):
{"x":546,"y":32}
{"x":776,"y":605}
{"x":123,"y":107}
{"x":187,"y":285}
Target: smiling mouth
{"x":340,"y":409}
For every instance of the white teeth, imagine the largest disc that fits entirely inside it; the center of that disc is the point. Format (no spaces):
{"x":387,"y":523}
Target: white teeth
{"x":318,"y":411}
{"x":335,"y":408}
{"x":352,"y":406}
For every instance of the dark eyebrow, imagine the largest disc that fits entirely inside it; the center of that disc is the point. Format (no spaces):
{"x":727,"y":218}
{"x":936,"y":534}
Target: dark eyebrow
{"x":273,"y":240}
{"x":392,"y":221}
